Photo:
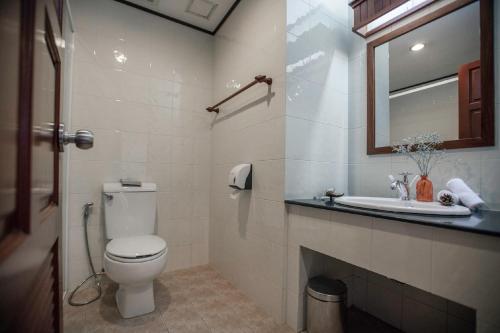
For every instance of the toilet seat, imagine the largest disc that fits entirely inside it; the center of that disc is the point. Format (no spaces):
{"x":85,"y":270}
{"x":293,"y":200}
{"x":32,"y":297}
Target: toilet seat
{"x":135,"y":260}
{"x":136,"y":249}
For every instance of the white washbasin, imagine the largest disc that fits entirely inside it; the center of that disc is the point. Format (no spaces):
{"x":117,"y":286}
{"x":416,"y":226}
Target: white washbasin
{"x":398,"y":205}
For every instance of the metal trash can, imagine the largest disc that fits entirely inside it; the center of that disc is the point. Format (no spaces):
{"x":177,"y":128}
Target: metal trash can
{"x":326,"y":306}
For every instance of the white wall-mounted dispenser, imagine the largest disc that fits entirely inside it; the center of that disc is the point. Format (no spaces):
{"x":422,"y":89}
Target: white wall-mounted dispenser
{"x":240,"y":177}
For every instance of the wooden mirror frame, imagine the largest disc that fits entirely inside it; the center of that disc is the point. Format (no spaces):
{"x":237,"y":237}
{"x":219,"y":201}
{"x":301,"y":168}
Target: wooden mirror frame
{"x":487,"y":76}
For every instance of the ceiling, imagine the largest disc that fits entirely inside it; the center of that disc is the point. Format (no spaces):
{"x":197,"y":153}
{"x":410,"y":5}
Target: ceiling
{"x":450,"y":41}
{"x":204,"y":15}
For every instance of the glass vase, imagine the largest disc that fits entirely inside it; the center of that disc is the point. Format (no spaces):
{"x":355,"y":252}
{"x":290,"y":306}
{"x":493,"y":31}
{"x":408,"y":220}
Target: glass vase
{"x":424,"y":189}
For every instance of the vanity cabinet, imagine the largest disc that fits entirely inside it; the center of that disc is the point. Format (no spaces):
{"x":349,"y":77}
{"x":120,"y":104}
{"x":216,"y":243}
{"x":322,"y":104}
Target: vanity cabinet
{"x":460,"y":266}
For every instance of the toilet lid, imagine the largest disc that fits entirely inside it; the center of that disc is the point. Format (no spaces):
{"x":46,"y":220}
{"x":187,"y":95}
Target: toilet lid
{"x":137,"y":246}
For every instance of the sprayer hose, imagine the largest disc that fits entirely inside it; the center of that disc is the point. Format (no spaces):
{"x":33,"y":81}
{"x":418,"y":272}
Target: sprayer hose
{"x":94,"y":275}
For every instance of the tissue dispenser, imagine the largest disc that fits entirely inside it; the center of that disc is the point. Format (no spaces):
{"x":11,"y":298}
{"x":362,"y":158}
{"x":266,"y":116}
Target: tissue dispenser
{"x":240,"y":177}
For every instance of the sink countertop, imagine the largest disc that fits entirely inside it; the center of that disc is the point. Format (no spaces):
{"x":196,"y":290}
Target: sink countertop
{"x":485,"y":222}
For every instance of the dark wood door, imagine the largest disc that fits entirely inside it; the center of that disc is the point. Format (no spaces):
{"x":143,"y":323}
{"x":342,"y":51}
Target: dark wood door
{"x":469,"y":99}
{"x":30,"y":63}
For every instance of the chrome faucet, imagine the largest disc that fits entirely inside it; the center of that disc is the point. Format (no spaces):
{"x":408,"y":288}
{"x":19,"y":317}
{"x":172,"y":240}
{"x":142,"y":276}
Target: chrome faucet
{"x":403,"y":186}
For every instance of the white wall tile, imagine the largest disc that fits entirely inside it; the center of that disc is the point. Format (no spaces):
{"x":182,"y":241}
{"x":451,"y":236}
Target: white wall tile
{"x":162,"y":92}
{"x":460,"y":263}
{"x":160,"y":148}
{"x":351,"y":238}
{"x":295,"y":311}
{"x":182,"y":150}
{"x":300,"y":95}
{"x":96,"y":112}
{"x":298,"y":132}
{"x":370,"y":178}
{"x":270,"y":220}
{"x":250,"y":129}
{"x":268,"y":179}
{"x":384,"y":301}
{"x":402,"y":251}
{"x":133,"y":87}
{"x":107,"y":148}
{"x":144,"y":114}
{"x":93,"y":79}
{"x":179,"y":257}
{"x":489,"y":177}
{"x":199,"y":254}
{"x":310,"y":228}
{"x":134,"y":147}
{"x":337,"y":9}
{"x":161,"y":174}
{"x":133,"y":117}
{"x":76,"y":203}
{"x":317,"y":97}
{"x":300,"y":171}
{"x":180,"y":205}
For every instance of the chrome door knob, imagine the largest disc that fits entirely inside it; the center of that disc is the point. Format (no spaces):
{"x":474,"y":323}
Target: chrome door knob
{"x":83,"y":139}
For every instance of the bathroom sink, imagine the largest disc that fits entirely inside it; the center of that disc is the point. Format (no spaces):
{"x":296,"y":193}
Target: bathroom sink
{"x":398,"y":205}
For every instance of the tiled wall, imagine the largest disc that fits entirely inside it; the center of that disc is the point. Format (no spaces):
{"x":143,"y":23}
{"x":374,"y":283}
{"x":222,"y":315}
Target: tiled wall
{"x":368,"y":173}
{"x":407,"y":308}
{"x":247,"y":234}
{"x":461,"y":267}
{"x":426,"y":110}
{"x":317,"y":96}
{"x":382,"y":105}
{"x":147,"y":114}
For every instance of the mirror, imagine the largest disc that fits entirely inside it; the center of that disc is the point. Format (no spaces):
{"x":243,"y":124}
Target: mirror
{"x":430,"y":76}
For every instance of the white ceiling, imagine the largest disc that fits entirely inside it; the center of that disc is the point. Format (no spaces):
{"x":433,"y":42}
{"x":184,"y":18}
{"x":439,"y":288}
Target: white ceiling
{"x":179,"y":9}
{"x":450,"y":41}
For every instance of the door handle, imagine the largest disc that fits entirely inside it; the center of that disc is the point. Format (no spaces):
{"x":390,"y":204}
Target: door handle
{"x":83,"y":139}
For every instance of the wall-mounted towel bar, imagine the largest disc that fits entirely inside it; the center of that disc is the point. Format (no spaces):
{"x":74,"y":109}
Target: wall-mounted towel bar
{"x":258,"y":79}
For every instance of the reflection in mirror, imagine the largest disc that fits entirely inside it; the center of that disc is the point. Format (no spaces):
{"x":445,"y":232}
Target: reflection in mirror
{"x":428,"y":80}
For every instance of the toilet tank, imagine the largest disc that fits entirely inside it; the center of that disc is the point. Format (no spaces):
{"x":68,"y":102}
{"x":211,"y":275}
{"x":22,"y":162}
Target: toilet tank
{"x":129,"y":211}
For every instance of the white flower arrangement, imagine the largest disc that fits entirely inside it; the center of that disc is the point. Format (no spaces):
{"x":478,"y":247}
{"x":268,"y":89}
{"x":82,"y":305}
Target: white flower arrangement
{"x":423,"y":149}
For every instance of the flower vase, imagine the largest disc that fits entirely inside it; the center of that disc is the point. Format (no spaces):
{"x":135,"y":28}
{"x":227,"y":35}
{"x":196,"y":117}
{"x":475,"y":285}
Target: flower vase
{"x":424,"y":189}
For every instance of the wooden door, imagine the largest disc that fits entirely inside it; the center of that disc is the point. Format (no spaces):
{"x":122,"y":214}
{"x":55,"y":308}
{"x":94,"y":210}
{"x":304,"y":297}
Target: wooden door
{"x":469,"y":100}
{"x":30,"y":283}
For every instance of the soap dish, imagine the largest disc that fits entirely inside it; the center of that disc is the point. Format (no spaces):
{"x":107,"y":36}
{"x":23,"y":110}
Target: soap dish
{"x":332,"y":194}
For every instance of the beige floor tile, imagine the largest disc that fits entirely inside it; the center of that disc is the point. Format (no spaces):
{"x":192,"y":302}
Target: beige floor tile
{"x":194,"y":300}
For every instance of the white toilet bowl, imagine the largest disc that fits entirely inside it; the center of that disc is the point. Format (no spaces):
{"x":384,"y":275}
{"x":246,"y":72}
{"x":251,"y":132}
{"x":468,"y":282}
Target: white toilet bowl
{"x":133,"y":263}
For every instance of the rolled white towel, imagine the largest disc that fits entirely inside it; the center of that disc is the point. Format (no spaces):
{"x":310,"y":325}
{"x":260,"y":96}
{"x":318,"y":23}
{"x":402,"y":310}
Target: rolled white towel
{"x":468,"y":197}
{"x":455,"y":197}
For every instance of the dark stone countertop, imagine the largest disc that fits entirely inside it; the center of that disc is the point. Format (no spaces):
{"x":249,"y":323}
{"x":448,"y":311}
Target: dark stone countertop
{"x":484,"y":221}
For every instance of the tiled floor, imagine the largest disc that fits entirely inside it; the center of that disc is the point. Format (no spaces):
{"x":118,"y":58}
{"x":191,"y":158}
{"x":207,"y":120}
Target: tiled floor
{"x":196,"y":300}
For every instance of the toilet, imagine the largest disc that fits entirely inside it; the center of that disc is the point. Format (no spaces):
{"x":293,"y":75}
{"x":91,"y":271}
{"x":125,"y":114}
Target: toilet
{"x":134,"y":256}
